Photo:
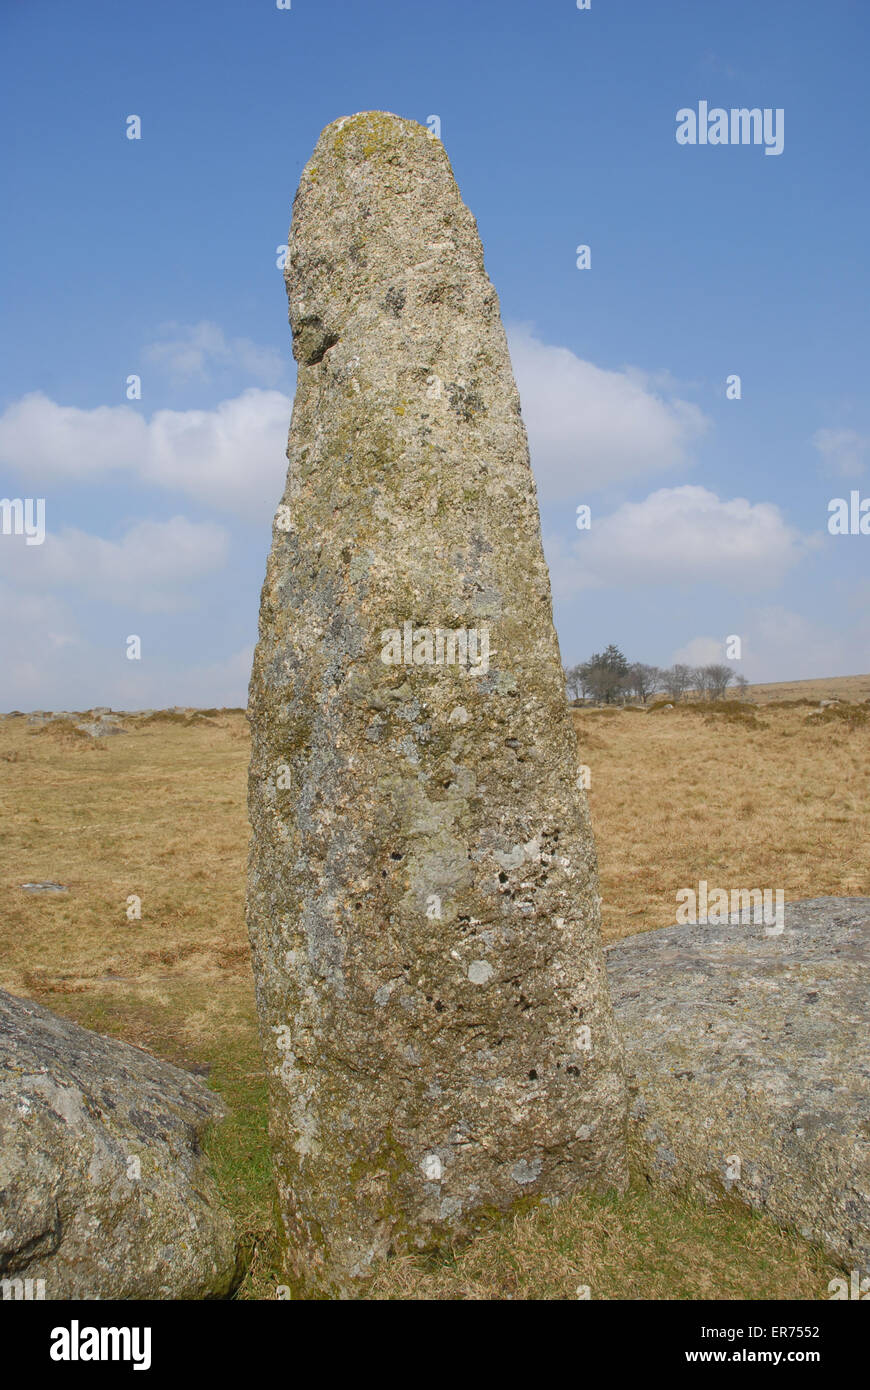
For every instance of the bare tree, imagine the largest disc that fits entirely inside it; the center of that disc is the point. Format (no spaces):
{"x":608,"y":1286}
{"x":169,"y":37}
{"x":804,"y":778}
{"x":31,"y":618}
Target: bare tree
{"x":700,"y":681}
{"x":676,"y":680}
{"x":718,"y":680}
{"x":644,"y":680}
{"x":742,"y":687}
{"x":575,"y":683}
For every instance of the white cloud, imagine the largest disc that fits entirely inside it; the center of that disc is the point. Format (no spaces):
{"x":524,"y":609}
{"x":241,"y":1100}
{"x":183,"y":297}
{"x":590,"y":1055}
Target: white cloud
{"x":683,"y":535}
{"x":702,"y":651}
{"x":232,"y":457}
{"x":147,"y":569}
{"x":200,"y":351}
{"x":590,"y":428}
{"x":843,"y":452}
{"x":44,"y":441}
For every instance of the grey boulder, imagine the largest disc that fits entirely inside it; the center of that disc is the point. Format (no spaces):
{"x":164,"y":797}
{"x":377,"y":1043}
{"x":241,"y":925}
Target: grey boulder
{"x":104,"y":1191}
{"x":100,"y":728}
{"x":749,"y":1065}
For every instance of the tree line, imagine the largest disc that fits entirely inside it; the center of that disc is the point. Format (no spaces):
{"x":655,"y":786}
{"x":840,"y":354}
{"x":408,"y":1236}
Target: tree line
{"x":608,"y":677}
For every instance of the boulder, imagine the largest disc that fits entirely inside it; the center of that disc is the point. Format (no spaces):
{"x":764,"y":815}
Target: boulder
{"x":749,"y":1065}
{"x":104,"y":1192}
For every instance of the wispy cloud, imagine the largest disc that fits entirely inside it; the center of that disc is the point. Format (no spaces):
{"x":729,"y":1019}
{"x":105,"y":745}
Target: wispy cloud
{"x":149,"y":568}
{"x":202,"y":352}
{"x":843,"y":452}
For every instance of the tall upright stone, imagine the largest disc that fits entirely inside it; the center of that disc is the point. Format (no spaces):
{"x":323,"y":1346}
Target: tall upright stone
{"x":422,"y":896}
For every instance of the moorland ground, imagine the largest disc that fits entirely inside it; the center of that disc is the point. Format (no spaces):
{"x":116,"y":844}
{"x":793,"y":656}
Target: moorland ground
{"x":769,"y":793}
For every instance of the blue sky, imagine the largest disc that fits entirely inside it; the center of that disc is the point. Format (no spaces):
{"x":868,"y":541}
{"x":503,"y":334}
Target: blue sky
{"x":157,"y":257}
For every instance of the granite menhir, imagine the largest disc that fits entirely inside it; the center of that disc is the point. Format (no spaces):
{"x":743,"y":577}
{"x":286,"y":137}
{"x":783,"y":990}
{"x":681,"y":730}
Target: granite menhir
{"x":422,"y":901}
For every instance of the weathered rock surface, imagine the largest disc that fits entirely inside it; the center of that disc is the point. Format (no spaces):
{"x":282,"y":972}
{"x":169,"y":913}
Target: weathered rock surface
{"x":101,"y":728}
{"x":103,"y":1188}
{"x":751,"y":1047}
{"x":422,"y":901}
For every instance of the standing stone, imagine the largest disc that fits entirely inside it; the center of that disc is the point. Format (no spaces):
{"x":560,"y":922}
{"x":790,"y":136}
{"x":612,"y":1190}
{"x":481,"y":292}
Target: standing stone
{"x":422,"y":899}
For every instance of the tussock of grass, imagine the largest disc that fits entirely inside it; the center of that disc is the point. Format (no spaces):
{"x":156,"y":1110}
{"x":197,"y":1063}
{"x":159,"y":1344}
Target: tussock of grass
{"x":637,"y":1246}
{"x":187,"y":718}
{"x":64,"y":731}
{"x":722,"y":707}
{"x":734,"y":710}
{"x":241,"y":1161}
{"x":848,"y":716}
{"x":791,"y":704}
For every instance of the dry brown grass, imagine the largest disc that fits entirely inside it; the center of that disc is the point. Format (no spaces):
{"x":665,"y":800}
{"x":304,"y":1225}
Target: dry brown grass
{"x":160,"y":813}
{"x":629,"y":1247}
{"x":853,"y":688}
{"x":775,"y":798}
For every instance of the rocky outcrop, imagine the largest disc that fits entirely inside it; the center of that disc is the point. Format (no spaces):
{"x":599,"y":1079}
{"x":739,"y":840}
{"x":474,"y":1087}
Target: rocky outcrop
{"x":104,"y":1191}
{"x":749,"y":1064}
